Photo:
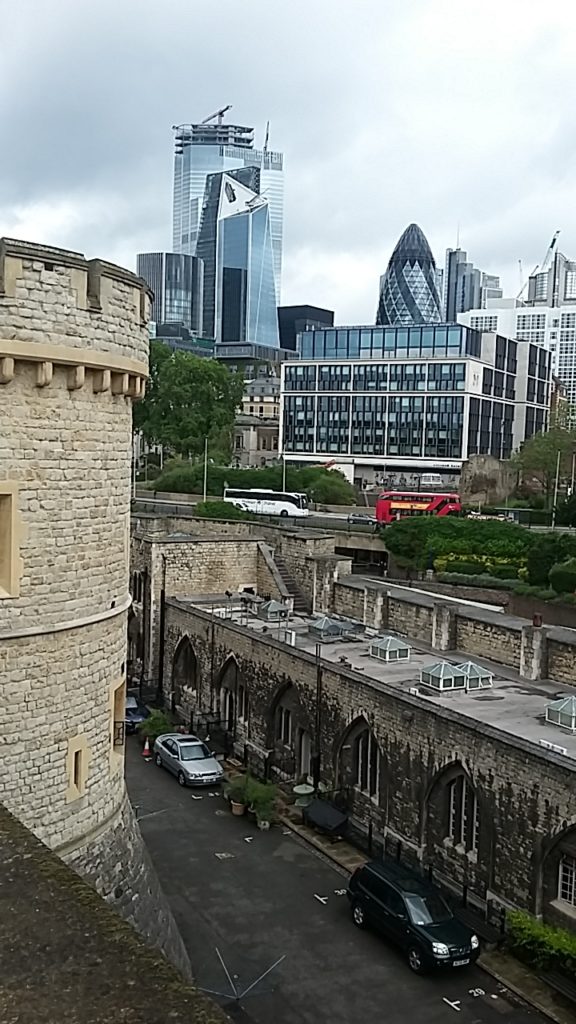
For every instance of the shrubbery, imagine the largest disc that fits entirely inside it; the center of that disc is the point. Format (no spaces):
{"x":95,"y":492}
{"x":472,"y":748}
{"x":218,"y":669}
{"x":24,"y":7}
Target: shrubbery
{"x":540,"y":945}
{"x":478,"y":580}
{"x":326,"y":486}
{"x":423,"y":542}
{"x":220,"y":510}
{"x":562,"y":576}
{"x":545,"y":552}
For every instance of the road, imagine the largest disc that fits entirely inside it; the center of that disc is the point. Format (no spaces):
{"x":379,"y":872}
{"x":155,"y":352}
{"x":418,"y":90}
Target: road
{"x":258,"y":896}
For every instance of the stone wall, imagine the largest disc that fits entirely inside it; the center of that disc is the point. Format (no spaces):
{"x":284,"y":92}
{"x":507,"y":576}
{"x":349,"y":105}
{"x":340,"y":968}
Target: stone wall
{"x":73,"y":356}
{"x":524,"y":795}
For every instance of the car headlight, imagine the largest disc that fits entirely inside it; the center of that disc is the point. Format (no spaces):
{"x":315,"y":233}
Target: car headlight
{"x":474,"y":942}
{"x":440,"y":949}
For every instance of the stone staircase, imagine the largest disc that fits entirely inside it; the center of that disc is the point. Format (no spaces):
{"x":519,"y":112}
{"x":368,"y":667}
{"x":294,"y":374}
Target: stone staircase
{"x":302,"y":606}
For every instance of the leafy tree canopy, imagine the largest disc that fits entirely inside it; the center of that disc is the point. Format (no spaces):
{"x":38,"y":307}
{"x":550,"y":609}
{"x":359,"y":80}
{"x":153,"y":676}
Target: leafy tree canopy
{"x":188,"y":398}
{"x":419,"y":541}
{"x":537,"y":457}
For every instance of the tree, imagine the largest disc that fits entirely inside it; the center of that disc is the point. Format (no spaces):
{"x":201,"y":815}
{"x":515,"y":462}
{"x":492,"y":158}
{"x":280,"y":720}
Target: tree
{"x":188,"y":399}
{"x":538,"y":456}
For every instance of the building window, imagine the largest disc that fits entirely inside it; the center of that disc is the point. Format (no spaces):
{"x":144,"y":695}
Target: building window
{"x":567,"y":880}
{"x":366,"y":763}
{"x":9,"y":557}
{"x":242,"y":699}
{"x":463,"y":819}
{"x":119,"y":716}
{"x":77,"y":757}
{"x":284,"y":726}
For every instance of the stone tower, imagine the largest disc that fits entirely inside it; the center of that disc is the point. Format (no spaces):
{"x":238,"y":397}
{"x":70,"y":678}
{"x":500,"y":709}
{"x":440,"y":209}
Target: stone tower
{"x":73,"y":357}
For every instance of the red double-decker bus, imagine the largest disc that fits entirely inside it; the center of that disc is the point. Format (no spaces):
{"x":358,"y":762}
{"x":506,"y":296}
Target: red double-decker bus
{"x":393,"y":505}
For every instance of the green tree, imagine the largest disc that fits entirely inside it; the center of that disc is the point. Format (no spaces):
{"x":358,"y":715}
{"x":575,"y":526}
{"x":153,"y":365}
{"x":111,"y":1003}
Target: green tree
{"x":188,"y":399}
{"x":538,"y":456}
{"x":327,"y":486}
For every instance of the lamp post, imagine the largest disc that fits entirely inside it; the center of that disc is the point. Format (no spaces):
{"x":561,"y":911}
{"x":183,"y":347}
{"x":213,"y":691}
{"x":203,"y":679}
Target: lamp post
{"x":556,"y":482}
{"x":283,"y":472}
{"x":205,"y":488}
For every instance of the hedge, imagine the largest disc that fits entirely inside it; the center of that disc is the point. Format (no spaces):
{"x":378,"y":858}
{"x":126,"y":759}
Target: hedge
{"x":220,"y":510}
{"x":562,"y":576}
{"x":540,"y":945}
{"x":478,"y":580}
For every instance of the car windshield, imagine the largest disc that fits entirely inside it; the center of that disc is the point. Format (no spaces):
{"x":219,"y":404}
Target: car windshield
{"x":131,"y":702}
{"x":193,"y":751}
{"x":428,"y":909}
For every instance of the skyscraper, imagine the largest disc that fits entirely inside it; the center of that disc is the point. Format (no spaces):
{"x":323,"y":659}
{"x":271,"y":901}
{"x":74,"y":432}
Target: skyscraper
{"x":210,"y":148}
{"x":408,"y":290}
{"x":235,"y":243}
{"x":465,"y":286}
{"x":177,"y":281}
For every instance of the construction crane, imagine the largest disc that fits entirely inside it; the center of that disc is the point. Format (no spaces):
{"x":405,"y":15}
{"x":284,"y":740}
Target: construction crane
{"x":217,"y":114}
{"x":524,"y":283}
{"x":550,"y":253}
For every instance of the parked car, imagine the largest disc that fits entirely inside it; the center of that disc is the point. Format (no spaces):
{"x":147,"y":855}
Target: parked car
{"x":361,"y":519}
{"x":188,"y":758}
{"x":136,"y":712}
{"x":413,"y":914}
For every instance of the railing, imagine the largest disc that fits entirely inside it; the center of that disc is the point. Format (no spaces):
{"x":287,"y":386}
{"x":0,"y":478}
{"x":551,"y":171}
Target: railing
{"x":119,"y":733}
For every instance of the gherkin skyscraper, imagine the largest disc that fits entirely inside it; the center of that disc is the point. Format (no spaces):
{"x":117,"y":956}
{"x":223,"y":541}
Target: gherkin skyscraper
{"x":408,"y":291}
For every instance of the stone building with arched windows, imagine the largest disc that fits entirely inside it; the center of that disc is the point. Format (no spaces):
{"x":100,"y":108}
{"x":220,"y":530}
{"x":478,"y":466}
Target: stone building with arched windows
{"x":475,"y":789}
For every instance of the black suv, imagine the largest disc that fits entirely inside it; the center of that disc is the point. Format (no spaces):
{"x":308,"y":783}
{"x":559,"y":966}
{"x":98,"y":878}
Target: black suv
{"x":413,"y":914}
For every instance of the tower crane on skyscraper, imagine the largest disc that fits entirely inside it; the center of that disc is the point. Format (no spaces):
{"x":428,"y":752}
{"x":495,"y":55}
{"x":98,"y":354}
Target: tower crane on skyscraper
{"x":217,"y":114}
{"x":549,"y":253}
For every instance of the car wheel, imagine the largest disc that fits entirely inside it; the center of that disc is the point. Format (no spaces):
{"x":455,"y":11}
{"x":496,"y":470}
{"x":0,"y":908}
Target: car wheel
{"x":283,"y":512}
{"x":358,"y":916}
{"x":158,"y":760}
{"x":415,"y":961}
{"x":181,"y":779}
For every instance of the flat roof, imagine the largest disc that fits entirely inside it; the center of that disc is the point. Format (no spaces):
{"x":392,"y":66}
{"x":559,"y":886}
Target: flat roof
{"x":511,"y":705}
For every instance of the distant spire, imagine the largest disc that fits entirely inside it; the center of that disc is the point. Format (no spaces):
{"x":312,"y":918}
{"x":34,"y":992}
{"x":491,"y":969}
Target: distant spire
{"x":267,"y":136}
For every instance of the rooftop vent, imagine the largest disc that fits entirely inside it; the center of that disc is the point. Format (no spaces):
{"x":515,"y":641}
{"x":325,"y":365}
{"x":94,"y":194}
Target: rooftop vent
{"x":562,"y":713}
{"x":325,"y":628}
{"x":272,"y":611}
{"x":443,"y":676}
{"x":477,"y":678}
{"x":389,"y":648}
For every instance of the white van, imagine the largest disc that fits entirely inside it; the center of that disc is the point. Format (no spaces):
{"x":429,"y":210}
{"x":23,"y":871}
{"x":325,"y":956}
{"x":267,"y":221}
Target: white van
{"x":431,"y":480}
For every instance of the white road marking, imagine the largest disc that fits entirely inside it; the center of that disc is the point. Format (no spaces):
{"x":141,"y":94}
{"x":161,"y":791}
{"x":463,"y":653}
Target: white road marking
{"x":455,"y":1005}
{"x":476,"y":992}
{"x":339,"y":892}
{"x":248,"y":839}
{"x":196,"y":796}
{"x":321,"y":899}
{"x":287,"y":832}
{"x":224,"y":856}
{"x":221,"y":814}
{"x":151,"y":814}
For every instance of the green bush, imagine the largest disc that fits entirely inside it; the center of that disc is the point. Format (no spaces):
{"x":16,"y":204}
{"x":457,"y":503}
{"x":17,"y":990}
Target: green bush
{"x":154,"y":726}
{"x":420,"y":541}
{"x":468,"y":568}
{"x":504,"y":572}
{"x":220,"y":510}
{"x":545,"y":552}
{"x":562,"y":576}
{"x":325,"y":486}
{"x":540,"y":945}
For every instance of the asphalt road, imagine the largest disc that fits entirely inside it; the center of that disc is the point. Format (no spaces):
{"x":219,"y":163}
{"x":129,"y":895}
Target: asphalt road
{"x":258,"y":896}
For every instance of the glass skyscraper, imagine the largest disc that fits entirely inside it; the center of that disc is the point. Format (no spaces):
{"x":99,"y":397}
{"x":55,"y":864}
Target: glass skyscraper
{"x":204,"y":149}
{"x":235,"y":244}
{"x":177,"y":281}
{"x":408,"y":289}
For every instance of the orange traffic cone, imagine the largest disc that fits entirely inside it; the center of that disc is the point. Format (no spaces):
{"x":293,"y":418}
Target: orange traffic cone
{"x":146,"y":752}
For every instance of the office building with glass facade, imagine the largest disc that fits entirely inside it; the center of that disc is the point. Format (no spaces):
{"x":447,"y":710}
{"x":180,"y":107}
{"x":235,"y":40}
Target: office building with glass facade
{"x":204,"y":149}
{"x":178,"y":285}
{"x":410,"y":398}
{"x":235,"y":244}
{"x":465,"y":286}
{"x":409,"y":288}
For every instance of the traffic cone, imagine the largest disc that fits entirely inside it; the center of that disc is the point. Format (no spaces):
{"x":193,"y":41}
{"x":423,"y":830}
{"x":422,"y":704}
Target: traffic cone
{"x":146,"y":752}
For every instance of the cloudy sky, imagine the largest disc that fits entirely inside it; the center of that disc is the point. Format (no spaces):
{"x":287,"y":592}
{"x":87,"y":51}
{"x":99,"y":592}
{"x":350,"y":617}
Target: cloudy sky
{"x":457,"y":115}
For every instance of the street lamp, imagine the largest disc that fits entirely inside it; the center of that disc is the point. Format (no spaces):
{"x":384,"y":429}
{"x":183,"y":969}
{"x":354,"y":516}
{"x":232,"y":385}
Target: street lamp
{"x":556,"y":482}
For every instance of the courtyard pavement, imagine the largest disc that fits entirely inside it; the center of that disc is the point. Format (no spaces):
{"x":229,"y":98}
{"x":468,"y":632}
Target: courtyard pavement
{"x":253,"y":897}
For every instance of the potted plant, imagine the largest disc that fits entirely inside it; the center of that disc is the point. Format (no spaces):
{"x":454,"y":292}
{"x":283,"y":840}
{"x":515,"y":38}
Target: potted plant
{"x":154,"y":726}
{"x":264,"y":802}
{"x":236,"y":794}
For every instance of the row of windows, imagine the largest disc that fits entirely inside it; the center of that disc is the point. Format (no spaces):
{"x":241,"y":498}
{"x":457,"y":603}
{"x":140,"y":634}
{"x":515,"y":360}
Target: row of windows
{"x":376,"y":377}
{"x":498,"y":384}
{"x":375,"y":425}
{"x":490,"y":426}
{"x":374,"y":342}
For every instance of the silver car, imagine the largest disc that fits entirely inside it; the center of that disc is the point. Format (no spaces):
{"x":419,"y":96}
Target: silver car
{"x":188,"y":758}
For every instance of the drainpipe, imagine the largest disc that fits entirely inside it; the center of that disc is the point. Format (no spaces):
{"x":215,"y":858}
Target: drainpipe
{"x":161,"y":644}
{"x":317,"y":756}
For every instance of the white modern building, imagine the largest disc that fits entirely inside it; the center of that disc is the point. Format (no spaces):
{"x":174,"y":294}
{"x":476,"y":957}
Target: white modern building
{"x":553,"y":327}
{"x":371,"y":400}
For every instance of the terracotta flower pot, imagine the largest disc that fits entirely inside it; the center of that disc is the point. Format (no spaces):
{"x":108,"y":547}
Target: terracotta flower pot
{"x":237,"y":809}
